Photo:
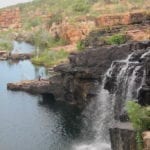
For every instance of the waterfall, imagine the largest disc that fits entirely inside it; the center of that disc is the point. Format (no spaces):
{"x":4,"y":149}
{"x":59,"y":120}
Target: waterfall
{"x":120,"y":84}
{"x":102,"y":118}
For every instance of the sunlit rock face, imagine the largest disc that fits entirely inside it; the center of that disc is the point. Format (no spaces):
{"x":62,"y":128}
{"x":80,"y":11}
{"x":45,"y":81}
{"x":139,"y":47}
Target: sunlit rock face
{"x":10,"y":18}
{"x":146,"y":139}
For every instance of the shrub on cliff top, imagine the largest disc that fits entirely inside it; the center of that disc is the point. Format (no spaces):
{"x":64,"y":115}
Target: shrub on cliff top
{"x":81,"y":6}
{"x":116,"y":39}
{"x":80,"y":45}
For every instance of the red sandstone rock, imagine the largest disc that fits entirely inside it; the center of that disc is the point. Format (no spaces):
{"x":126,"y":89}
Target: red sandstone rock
{"x":10,"y":18}
{"x":146,"y":139}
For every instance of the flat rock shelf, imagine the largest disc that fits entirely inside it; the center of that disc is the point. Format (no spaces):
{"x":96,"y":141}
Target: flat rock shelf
{"x":32,"y":86}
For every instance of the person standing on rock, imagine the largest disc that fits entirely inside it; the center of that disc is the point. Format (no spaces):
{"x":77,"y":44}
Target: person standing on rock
{"x":39,"y":78}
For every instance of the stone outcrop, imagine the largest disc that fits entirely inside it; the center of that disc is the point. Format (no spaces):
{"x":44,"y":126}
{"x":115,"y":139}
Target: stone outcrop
{"x":84,"y":25}
{"x":33,"y":86}
{"x":72,"y":32}
{"x":146,"y":140}
{"x":121,"y":19}
{"x":20,"y":56}
{"x":4,"y":55}
{"x":10,"y":18}
{"x":122,"y":137}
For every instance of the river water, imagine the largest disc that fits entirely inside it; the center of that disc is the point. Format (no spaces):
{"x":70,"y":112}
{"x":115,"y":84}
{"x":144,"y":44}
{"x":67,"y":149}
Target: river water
{"x":27,"y":122}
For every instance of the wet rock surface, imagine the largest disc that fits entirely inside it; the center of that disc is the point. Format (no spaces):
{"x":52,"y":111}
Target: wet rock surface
{"x":122,"y":134}
{"x":122,"y":137}
{"x":144,"y":92}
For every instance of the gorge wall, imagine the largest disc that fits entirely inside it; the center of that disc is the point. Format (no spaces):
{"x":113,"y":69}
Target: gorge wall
{"x":81,"y":78}
{"x":84,"y":24}
{"x":10,"y":18}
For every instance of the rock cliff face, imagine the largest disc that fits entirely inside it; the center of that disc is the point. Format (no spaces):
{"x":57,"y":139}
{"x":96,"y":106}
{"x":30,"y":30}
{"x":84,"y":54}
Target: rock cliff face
{"x":144,"y":92}
{"x":84,"y":25}
{"x":78,"y":82}
{"x":82,"y":76}
{"x":123,"y":137}
{"x":10,"y":18}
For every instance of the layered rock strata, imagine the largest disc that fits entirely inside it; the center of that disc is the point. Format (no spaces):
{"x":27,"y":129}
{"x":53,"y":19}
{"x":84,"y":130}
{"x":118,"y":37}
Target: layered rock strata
{"x":10,"y":18}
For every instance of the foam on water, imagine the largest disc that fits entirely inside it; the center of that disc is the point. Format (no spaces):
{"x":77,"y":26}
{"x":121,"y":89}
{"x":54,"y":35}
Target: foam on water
{"x":94,"y":146}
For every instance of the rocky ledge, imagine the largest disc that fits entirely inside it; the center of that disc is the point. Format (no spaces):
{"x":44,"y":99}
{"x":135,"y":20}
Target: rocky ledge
{"x":32,"y":86}
{"x":4,"y":55}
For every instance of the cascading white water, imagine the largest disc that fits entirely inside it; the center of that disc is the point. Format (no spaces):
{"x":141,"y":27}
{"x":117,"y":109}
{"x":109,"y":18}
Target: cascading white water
{"x":131,"y":84}
{"x":102,"y":118}
{"x":112,"y":101}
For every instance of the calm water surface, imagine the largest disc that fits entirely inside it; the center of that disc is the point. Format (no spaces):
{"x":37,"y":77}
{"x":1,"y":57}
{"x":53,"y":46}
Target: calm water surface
{"x":29,"y":122}
{"x":22,"y":47}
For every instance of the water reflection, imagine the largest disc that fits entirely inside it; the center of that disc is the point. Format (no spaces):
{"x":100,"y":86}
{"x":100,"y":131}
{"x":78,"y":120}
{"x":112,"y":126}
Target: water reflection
{"x":22,"y":47}
{"x":29,"y":122}
{"x":70,"y":123}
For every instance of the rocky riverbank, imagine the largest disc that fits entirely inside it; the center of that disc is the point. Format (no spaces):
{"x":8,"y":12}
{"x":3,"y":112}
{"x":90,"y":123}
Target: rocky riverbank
{"x":32,"y":86}
{"x":4,"y":55}
{"x":78,"y":82}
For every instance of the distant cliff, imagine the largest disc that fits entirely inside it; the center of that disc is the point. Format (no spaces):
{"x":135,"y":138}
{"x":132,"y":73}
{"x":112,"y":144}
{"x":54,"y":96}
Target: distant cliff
{"x":10,"y":18}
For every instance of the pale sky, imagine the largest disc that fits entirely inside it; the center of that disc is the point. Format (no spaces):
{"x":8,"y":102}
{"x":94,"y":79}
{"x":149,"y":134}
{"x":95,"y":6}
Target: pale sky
{"x":4,"y":3}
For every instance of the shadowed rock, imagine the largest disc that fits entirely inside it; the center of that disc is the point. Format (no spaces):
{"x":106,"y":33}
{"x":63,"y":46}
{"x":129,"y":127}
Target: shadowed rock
{"x":122,"y":137}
